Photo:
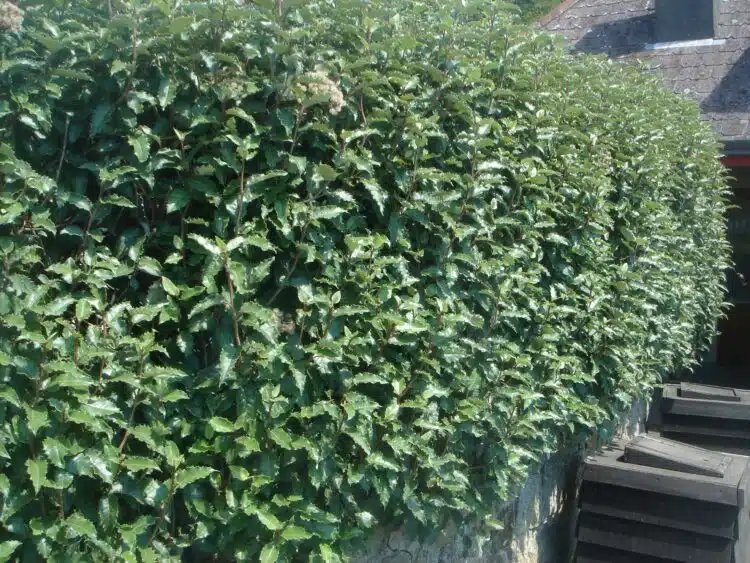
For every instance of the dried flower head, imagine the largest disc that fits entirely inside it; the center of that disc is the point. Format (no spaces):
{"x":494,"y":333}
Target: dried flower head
{"x":319,"y":84}
{"x":11,"y":17}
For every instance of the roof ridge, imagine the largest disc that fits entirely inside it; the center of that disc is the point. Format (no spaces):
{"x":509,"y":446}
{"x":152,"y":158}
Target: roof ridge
{"x":556,"y":11}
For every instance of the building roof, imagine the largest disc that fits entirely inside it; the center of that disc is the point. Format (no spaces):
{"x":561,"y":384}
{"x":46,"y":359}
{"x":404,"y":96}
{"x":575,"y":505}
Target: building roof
{"x":716,"y":75}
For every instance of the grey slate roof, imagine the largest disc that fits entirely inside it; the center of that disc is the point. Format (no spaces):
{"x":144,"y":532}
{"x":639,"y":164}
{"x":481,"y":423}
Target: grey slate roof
{"x":717,"y":76}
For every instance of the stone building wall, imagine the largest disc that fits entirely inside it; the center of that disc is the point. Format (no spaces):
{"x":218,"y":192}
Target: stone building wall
{"x":539,"y":523}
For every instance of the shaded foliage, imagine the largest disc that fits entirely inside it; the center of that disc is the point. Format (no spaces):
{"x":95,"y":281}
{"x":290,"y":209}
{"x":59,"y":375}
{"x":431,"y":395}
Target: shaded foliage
{"x":532,"y":10}
{"x":276,"y":273}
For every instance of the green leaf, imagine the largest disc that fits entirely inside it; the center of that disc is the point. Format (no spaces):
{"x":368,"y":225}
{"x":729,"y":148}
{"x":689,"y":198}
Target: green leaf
{"x":328,"y":555}
{"x":141,"y":146}
{"x":249,"y":443}
{"x":37,"y":471}
{"x":174,"y":396}
{"x":170,"y":287}
{"x":327,"y":212}
{"x":138,"y":463}
{"x":269,"y":553}
{"x":99,"y":118}
{"x":281,"y":437}
{"x":205,"y":244}
{"x":118,"y":201}
{"x":102,"y":407}
{"x":326,"y":172}
{"x":220,"y":424}
{"x":80,"y":525}
{"x":7,"y":548}
{"x":268,"y":519}
{"x":295,"y":533}
{"x":189,"y":475}
{"x":37,"y":418}
{"x":55,"y":451}
{"x":180,"y":24}
{"x":178,"y":199}
{"x":9,"y":394}
{"x":167,"y":91}
{"x":172,"y":453}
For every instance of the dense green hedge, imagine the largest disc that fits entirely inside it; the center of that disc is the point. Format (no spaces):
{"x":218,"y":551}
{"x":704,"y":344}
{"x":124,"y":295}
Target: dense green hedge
{"x":276,"y":273}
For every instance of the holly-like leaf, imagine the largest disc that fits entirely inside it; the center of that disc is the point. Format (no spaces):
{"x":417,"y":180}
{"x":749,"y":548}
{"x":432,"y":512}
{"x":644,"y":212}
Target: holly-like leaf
{"x":189,"y":475}
{"x":269,"y":553}
{"x":80,"y":525}
{"x":141,"y":146}
{"x":295,"y":533}
{"x":220,"y":424}
{"x":170,"y":287}
{"x":7,"y":549}
{"x":139,"y":463}
{"x":37,"y":471}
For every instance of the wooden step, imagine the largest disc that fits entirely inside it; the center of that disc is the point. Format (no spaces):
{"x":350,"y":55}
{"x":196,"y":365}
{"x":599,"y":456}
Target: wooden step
{"x":712,"y":392}
{"x":653,"y":541}
{"x":661,"y":453}
{"x":659,"y":510}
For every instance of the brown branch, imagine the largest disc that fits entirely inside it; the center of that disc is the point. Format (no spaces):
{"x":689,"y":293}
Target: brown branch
{"x":241,"y":201}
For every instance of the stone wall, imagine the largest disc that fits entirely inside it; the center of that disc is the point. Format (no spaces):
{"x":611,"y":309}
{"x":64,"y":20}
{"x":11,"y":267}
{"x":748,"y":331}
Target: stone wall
{"x":539,"y":523}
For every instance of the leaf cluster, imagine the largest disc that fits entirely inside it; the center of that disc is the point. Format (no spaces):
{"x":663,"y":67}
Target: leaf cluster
{"x":274,"y":273}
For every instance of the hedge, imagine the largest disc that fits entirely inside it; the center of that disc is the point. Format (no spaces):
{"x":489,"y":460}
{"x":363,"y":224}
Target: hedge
{"x":276,"y":273}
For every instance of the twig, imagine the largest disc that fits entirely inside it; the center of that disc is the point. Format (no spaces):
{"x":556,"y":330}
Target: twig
{"x":293,"y":267}
{"x":64,"y":148}
{"x":241,"y":201}
{"x":164,"y":506}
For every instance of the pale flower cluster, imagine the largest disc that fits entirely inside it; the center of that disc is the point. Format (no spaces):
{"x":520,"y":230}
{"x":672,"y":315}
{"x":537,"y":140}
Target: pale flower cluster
{"x":11,"y":17}
{"x":320,"y":85}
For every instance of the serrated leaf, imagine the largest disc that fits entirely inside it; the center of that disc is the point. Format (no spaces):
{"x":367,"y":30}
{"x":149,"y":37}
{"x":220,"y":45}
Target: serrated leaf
{"x":55,"y":451}
{"x":268,"y":519}
{"x":249,"y":443}
{"x":220,"y":424}
{"x":326,"y":172}
{"x":9,"y":394}
{"x":37,"y":471}
{"x":139,"y":463}
{"x":295,"y":533}
{"x":102,"y":407}
{"x":167,"y":91}
{"x":141,"y":146}
{"x":178,"y":199}
{"x":281,"y":437}
{"x":327,"y":554}
{"x":269,"y":553}
{"x":327,"y":212}
{"x":80,"y":525}
{"x":99,"y":118}
{"x":205,"y":244}
{"x":118,"y":201}
{"x":170,"y":287}
{"x":7,"y":549}
{"x":190,"y":475}
{"x":36,"y":418}
{"x":174,"y":396}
